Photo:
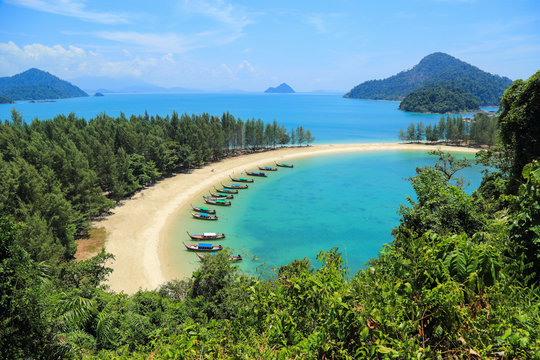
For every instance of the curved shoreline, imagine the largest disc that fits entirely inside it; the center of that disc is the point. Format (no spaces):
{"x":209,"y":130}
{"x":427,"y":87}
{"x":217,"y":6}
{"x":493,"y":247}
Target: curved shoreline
{"x":139,"y":227}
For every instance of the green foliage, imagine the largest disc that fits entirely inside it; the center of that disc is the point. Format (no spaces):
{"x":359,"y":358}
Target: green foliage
{"x":439,"y":99}
{"x":437,"y":69}
{"x":520,"y":128}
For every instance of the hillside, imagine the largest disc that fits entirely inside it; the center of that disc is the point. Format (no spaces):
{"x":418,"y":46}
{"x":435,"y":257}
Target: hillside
{"x":435,"y":69}
{"x":5,"y":100}
{"x":35,"y":84}
{"x":281,"y":89}
{"x":439,"y":99}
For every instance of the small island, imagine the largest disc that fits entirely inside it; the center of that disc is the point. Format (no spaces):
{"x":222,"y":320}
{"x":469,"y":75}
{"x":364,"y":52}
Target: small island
{"x":99,"y":94}
{"x":440,"y":99}
{"x":281,"y":89}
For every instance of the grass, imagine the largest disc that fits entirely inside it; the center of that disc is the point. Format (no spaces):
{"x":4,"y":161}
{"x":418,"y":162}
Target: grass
{"x":91,"y":246}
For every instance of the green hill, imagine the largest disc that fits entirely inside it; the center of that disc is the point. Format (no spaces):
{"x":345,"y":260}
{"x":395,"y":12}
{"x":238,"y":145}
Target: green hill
{"x":439,"y":99}
{"x":435,"y":69}
{"x":35,"y":84}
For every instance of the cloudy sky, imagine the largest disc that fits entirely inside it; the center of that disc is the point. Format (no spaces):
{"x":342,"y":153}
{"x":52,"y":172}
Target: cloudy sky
{"x":250,"y":45}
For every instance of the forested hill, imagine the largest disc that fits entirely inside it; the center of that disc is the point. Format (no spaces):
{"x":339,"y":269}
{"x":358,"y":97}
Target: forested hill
{"x":439,"y":99}
{"x":435,"y":69}
{"x":35,"y":84}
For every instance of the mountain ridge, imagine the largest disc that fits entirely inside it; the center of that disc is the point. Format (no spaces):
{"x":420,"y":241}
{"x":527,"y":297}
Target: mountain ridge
{"x":435,"y":69}
{"x":35,"y":84}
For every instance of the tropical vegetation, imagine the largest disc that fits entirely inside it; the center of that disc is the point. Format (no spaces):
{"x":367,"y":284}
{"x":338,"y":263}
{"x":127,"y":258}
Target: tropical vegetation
{"x":439,"y":99}
{"x":480,"y":130}
{"x":460,"y":280}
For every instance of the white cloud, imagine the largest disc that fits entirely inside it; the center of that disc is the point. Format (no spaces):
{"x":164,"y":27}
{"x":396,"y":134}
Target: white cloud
{"x":71,"y":8}
{"x":219,"y":11}
{"x":318,"y":22}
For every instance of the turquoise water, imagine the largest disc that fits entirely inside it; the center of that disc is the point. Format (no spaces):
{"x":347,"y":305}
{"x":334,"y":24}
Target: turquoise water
{"x":349,"y":201}
{"x":331,"y":118}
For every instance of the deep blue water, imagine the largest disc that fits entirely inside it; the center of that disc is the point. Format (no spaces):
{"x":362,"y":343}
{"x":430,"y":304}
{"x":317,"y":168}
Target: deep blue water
{"x":330,"y":118}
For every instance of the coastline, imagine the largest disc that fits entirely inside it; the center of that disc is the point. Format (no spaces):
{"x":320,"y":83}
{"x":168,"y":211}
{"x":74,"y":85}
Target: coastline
{"x":139,"y":227}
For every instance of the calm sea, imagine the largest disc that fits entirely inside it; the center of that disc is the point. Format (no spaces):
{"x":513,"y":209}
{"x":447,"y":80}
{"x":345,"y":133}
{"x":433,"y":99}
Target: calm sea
{"x":346,"y":200}
{"x":331,"y":118}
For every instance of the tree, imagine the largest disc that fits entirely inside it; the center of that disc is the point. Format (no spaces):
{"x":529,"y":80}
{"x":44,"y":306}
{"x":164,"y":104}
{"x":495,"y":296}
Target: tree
{"x":519,"y":125}
{"x":309,"y":137}
{"x":411,"y":132}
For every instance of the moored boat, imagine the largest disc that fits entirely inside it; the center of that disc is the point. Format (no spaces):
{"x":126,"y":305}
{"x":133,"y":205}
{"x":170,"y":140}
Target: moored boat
{"x":242,"y":179}
{"x":284,"y":165}
{"x":206,"y":236}
{"x":203,"y":209}
{"x":235,"y":186}
{"x":203,"y":247}
{"x":204,"y":216}
{"x":231,"y":258}
{"x":220,"y":202}
{"x":222,"y":195}
{"x":227,"y":191}
{"x":267,"y":168}
{"x":256,"y":173}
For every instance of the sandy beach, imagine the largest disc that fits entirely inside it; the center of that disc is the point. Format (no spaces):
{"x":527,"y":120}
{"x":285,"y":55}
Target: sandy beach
{"x":138,"y":227}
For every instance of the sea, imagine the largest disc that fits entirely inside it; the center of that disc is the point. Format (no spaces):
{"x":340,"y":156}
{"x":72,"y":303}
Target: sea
{"x":349,"y":201}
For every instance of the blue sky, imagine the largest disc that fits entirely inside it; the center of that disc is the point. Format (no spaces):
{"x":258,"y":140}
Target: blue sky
{"x":250,"y":45}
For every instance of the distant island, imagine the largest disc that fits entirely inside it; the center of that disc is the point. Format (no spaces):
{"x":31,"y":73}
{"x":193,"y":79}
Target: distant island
{"x":99,"y":94}
{"x":281,"y":89}
{"x":6,"y":100}
{"x":438,"y":71}
{"x":35,"y":84}
{"x":440,"y":99}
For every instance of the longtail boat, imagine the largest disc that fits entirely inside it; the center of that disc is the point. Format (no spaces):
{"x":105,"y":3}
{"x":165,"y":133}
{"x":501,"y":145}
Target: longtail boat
{"x":212,"y":201}
{"x":256,"y":173}
{"x":222,"y":195}
{"x":203,"y":209}
{"x":231,"y":258}
{"x":227,"y":191}
{"x":203,"y":247}
{"x":267,"y":168}
{"x":204,"y":216}
{"x":235,"y":186}
{"x":206,"y":236}
{"x":244,"y":180}
{"x":284,"y":165}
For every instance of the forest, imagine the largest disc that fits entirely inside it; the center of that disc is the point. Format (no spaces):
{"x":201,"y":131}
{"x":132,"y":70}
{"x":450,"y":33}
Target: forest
{"x":480,"y":130}
{"x":459,"y":280}
{"x":439,"y":99}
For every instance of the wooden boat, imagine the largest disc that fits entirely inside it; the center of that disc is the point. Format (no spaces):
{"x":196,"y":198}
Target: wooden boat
{"x":206,"y":236}
{"x":231,"y":258}
{"x":222,"y":195}
{"x":227,"y":191}
{"x":203,"y":247}
{"x":244,"y":180}
{"x":256,"y":173}
{"x":284,"y":165}
{"x":220,"y":202}
{"x":267,"y":168}
{"x":203,"y":209}
{"x":235,"y":186}
{"x":204,"y":216}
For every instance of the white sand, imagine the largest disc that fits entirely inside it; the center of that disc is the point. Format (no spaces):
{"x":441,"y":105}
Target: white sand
{"x":138,"y":227}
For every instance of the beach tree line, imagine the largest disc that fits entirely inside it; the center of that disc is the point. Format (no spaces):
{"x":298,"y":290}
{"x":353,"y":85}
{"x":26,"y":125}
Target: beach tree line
{"x":480,"y":130}
{"x":459,"y":280}
{"x":59,"y":173}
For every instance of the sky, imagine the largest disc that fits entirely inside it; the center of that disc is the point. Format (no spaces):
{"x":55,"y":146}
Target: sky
{"x":251,"y":45}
